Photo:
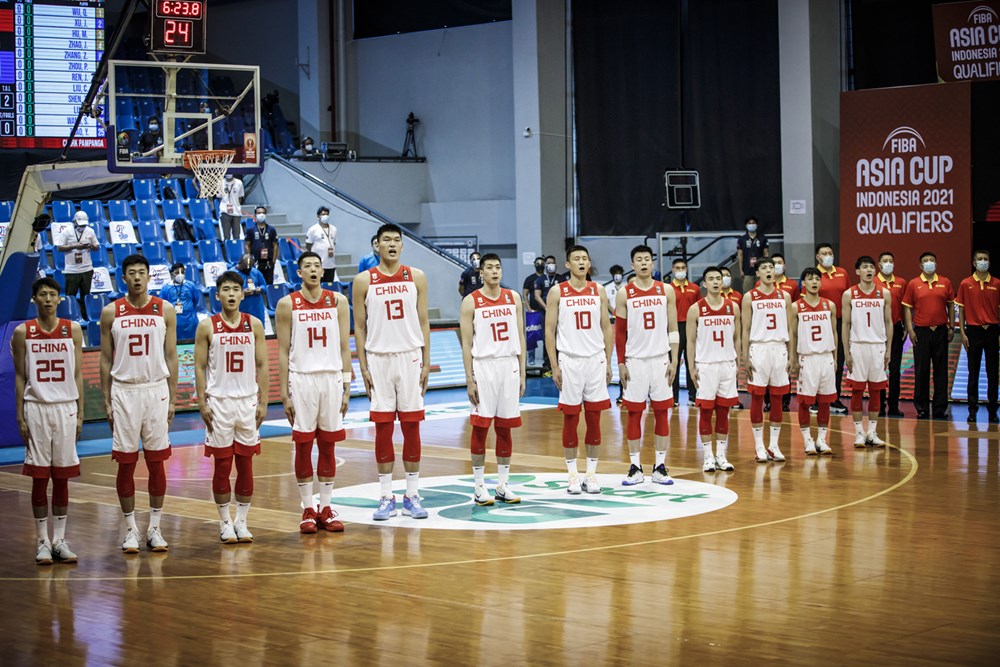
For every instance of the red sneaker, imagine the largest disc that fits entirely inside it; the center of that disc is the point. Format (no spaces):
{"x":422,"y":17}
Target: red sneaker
{"x":308,"y":523}
{"x":328,"y":519}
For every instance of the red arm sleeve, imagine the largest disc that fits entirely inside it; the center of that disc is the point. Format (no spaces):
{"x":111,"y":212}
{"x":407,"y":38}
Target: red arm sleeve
{"x":621,"y":334}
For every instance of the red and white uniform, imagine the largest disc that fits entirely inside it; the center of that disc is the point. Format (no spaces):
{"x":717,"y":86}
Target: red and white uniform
{"x":647,"y":348}
{"x":580,"y":342}
{"x":140,"y":398}
{"x":768,"y":342}
{"x":817,"y":352}
{"x":715,"y":354}
{"x":868,"y":339}
{"x":231,"y":392}
{"x":50,"y":397}
{"x":496,"y":366}
{"x":394,"y":345}
{"x":315,"y":377}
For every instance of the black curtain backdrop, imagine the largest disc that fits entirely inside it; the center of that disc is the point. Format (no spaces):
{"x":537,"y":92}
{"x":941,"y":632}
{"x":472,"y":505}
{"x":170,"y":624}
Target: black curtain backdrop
{"x":893,"y":43}
{"x":374,"y":18}
{"x":636,"y":116}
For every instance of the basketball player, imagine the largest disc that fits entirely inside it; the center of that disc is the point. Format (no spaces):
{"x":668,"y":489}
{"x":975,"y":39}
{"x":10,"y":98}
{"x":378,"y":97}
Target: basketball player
{"x":647,"y":342}
{"x":48,"y":390}
{"x":393,"y":339}
{"x":493,"y":351}
{"x":314,"y":361}
{"x":816,"y":337}
{"x":232,"y":398}
{"x":767,"y":349}
{"x":139,"y":383}
{"x":867,"y":319}
{"x":713,"y":336}
{"x":579,"y":342}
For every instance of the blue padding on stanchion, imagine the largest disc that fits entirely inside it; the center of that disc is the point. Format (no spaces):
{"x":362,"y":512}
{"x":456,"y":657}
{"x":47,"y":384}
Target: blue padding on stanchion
{"x":9,"y":436}
{"x":18,"y":275}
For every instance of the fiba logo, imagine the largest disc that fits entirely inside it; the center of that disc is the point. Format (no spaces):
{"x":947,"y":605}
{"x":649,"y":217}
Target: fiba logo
{"x":903,"y":140}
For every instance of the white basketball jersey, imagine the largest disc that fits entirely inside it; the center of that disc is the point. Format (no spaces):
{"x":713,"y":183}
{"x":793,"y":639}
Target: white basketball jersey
{"x":578,"y":329}
{"x":816,"y":324}
{"x":716,"y":332}
{"x":139,"y":334}
{"x":648,"y":334}
{"x":867,"y":315}
{"x":50,"y":363}
{"x":391,"y":308}
{"x":232,"y":360}
{"x":495,"y":326}
{"x":768,"y":316}
{"x":315,"y":340}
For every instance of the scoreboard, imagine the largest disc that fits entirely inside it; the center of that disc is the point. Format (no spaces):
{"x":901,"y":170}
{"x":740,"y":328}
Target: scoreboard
{"x":49,"y":51}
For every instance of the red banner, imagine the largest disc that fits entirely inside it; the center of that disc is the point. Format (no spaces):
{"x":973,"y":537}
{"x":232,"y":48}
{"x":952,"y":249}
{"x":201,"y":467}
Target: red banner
{"x":967,"y":40}
{"x":905,"y":176}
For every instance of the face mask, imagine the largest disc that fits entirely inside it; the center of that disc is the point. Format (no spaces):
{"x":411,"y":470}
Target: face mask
{"x":551,"y":268}
{"x":751,"y":228}
{"x":539,"y":267}
{"x":475,"y":263}
{"x":261,"y":217}
{"x":154,"y":128}
{"x":826,"y":261}
{"x":929,"y":266}
{"x":887,"y":268}
{"x":727,"y":281}
{"x":309,"y":148}
{"x":779,"y":269}
{"x":983,"y":265}
{"x":229,"y":177}
{"x":680,"y":275}
{"x":244,"y":269}
{"x":618,"y":277}
{"x":324,"y":219}
{"x":179,"y":278}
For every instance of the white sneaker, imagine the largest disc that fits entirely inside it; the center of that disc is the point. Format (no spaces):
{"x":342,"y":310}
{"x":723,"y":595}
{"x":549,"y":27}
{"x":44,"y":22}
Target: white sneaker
{"x":722,"y":463}
{"x":662,"y":476}
{"x":810,"y":447}
{"x":860,"y":440}
{"x":482,"y":496}
{"x":591,"y":485}
{"x":62,"y":553}
{"x":155,"y":541}
{"x":760,"y":454}
{"x":574,"y":485}
{"x":823,"y":448}
{"x":131,"y":543}
{"x":43,"y":554}
{"x":634,"y":476}
{"x":775,"y":454}
{"x":243,"y":533}
{"x":709,"y":463}
{"x":874,"y":440}
{"x":505,"y":495}
{"x":227,"y":534}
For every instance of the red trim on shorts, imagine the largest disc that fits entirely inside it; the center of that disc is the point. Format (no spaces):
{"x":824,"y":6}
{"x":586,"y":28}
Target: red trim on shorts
{"x":65,"y":472}
{"x":36,"y":472}
{"x":414,"y":416}
{"x":827,"y":398}
{"x":570,"y":409}
{"x":330,"y":437}
{"x":662,"y":405}
{"x":507,"y":422}
{"x":124,"y":457}
{"x":302,"y":437}
{"x":878,"y":386}
{"x":156,"y":454}
{"x":483,"y":422}
{"x":218,"y":452}
{"x":805,"y":400}
{"x":382,"y":417}
{"x":595,"y":406}
{"x":721,"y":402}
{"x":634,"y":406}
{"x":781,"y":391}
{"x":705,"y":403}
{"x":246,"y":450}
{"x":756,"y":390}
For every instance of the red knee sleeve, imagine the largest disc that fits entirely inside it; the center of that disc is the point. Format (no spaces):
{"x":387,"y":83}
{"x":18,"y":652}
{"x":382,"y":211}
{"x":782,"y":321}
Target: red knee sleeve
{"x":39,"y":491}
{"x":220,"y":478}
{"x":857,"y":399}
{"x":775,"y":414}
{"x":569,"y":437}
{"x":722,"y":419}
{"x":244,"y":475}
{"x":384,"y":452}
{"x":633,"y":425}
{"x":756,"y":408}
{"x":411,"y":441}
{"x":661,"y":422}
{"x":326,"y":464}
{"x":125,"y":479}
{"x":60,"y":492}
{"x":157,"y":485}
{"x":505,"y":446}
{"x":303,"y":460}
{"x":874,"y":402}
{"x":479,"y":439}
{"x":593,"y":420}
{"x":803,"y":415}
{"x":823,"y":414}
{"x":705,"y":421}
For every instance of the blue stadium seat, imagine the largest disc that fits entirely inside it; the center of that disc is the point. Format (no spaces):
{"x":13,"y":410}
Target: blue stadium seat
{"x":44,"y":260}
{"x":205,"y":229}
{"x":120,"y":209}
{"x":173,"y":209}
{"x":213,"y":301}
{"x":99,"y":257}
{"x":291,"y":275}
{"x":200,"y":209}
{"x":274,"y":294}
{"x":155,"y":252}
{"x":94,"y":210}
{"x":209,"y":251}
{"x":69,"y":308}
{"x":289,"y":249}
{"x":94,"y":333}
{"x":149,"y":231}
{"x":146,"y":210}
{"x":6,"y":210}
{"x":46,"y":238}
{"x":100,"y":231}
{"x":122,"y":250}
{"x":234,"y":250}
{"x":182,"y":251}
{"x":190,"y":189}
{"x":192,"y":273}
{"x":144,"y":188}
{"x":95,"y":303}
{"x":58,"y":260}
{"x":32,"y":310}
{"x":63,"y":211}
{"x":174,"y":185}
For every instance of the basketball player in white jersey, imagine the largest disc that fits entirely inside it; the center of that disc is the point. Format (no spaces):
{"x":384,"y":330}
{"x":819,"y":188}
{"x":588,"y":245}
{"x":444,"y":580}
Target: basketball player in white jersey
{"x":48,"y":390}
{"x":314,"y":369}
{"x":713,"y":336}
{"x":647,"y":342}
{"x":393,"y":338}
{"x":230,"y":375}
{"x":766,"y":354}
{"x":492,"y":325}
{"x":139,"y":383}
{"x":816,"y":361}
{"x":866,"y":321}
{"x":579,"y":341}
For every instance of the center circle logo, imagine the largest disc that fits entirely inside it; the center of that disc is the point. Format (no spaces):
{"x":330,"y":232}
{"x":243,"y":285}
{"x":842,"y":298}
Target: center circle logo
{"x":544,"y":503}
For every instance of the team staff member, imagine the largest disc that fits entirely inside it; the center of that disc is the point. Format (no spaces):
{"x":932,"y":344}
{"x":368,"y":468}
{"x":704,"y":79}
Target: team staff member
{"x":887,"y":279}
{"x":262,"y":244}
{"x":833,"y":283}
{"x":544,"y":283}
{"x":727,"y":287}
{"x":686,"y":293}
{"x":471,"y":278}
{"x":750,"y":247}
{"x":187,"y":300}
{"x":929,"y":313}
{"x":979,"y":321}
{"x":253,"y":288}
{"x":322,"y":240}
{"x":528,"y":288}
{"x":77,"y":242}
{"x":781,"y":280}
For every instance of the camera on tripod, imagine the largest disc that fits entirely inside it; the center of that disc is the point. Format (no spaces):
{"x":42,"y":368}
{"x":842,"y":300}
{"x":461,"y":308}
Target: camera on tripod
{"x":411,"y":120}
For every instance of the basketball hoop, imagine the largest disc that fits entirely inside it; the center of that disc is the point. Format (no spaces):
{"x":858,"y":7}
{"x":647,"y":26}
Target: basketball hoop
{"x":209,"y":169}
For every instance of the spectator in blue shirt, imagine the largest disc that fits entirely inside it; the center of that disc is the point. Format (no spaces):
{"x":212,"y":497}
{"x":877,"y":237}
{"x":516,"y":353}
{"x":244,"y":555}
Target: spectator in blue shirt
{"x":262,"y":243}
{"x":187,"y":300}
{"x":253,"y":288}
{"x":369,"y":260}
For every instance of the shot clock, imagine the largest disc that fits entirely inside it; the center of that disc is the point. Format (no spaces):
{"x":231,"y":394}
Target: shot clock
{"x":177,"y":26}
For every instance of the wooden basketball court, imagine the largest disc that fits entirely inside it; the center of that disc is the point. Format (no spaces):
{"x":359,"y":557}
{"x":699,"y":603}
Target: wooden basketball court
{"x":871,"y":557}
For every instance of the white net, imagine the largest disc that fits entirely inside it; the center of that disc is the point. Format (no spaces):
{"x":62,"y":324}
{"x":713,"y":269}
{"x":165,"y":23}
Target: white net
{"x":209,"y":169}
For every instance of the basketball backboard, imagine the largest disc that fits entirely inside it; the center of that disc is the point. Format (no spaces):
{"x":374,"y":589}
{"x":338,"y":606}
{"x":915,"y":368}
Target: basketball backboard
{"x":198,"y":106}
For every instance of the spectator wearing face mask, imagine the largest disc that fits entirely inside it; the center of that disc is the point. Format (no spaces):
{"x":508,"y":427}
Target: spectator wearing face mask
{"x":887,"y":279}
{"x":544,"y":282}
{"x":929,"y":311}
{"x":611,"y":289}
{"x":77,"y":242}
{"x":749,"y":248}
{"x":152,"y":137}
{"x":727,"y":288}
{"x":471,"y":278}
{"x":230,"y":199}
{"x":833,"y":283}
{"x":187,"y":301}
{"x":253,"y":288}
{"x":322,"y":240}
{"x":528,"y":288}
{"x":307,"y":150}
{"x":687,"y":294}
{"x":262,"y":245}
{"x":978,"y":302}
{"x":372,"y":258}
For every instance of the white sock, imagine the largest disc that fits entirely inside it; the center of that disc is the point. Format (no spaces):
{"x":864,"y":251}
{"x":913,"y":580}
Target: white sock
{"x":859,"y":428}
{"x":242,"y":509}
{"x":479,"y":472}
{"x":591,"y":467}
{"x":325,"y":493}
{"x":661,"y":457}
{"x":871,"y":425}
{"x":223,"y":512}
{"x":130,"y":521}
{"x":154,"y":517}
{"x":775,"y":433}
{"x":58,"y":527}
{"x":571,"y":467}
{"x":821,"y":433}
{"x":42,"y":528}
{"x":413,"y":484}
{"x":707,"y":446}
{"x":634,"y":459}
{"x":385,"y":484}
{"x":306,"y":494}
{"x":721,"y":445}
{"x":806,"y":434}
{"x":503,"y":474}
{"x":758,"y":436}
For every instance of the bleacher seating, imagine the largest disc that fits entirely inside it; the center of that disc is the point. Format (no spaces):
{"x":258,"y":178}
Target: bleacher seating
{"x":289,"y":250}
{"x":234,"y":250}
{"x":6,"y":210}
{"x":69,"y":308}
{"x":144,"y":188}
{"x":120,"y":209}
{"x":201,"y":209}
{"x":99,"y":257}
{"x":63,"y":211}
{"x":205,"y":229}
{"x":209,"y":251}
{"x":274,"y":293}
{"x":94,"y":210}
{"x":155,"y":252}
{"x":122,"y":250}
{"x":58,"y":260}
{"x":214,"y":306}
{"x":168,"y":186}
{"x":94,"y":333}
{"x":146,"y":209}
{"x":182,"y":251}
{"x":95,"y":303}
{"x":100,"y":231}
{"x":149,"y":231}
{"x":173,"y":209}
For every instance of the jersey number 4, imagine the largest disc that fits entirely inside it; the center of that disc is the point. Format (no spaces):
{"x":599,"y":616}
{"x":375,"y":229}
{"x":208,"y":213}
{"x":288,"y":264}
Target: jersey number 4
{"x":51,"y":370}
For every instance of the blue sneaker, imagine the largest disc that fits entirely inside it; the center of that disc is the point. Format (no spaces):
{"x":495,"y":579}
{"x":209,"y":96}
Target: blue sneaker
{"x":386,"y":509}
{"x":412,"y":507}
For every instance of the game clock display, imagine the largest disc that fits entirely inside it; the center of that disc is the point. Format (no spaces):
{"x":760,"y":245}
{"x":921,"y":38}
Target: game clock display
{"x":177,"y":26}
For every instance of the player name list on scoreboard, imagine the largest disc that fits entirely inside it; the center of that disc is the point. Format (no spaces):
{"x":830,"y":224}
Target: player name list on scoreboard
{"x":49,"y":50}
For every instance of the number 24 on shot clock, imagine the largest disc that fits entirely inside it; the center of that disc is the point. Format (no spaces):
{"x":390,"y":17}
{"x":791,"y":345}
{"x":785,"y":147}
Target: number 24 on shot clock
{"x":177,"y":26}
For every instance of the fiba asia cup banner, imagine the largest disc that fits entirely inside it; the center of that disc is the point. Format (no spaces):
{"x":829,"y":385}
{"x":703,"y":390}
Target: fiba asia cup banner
{"x":967,"y":40}
{"x":905,"y":175}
